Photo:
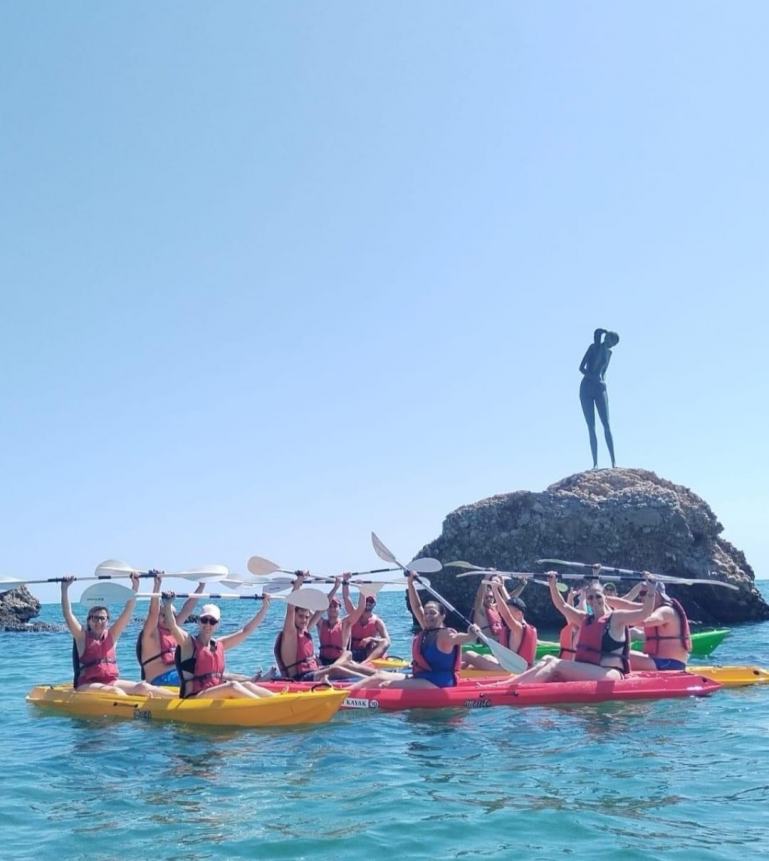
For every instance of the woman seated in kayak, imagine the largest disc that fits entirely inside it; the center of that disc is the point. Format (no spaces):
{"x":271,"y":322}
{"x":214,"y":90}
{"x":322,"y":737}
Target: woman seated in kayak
{"x":294,"y":649}
{"x":200,"y":658}
{"x":334,"y":636}
{"x":436,"y":649}
{"x":569,"y":635}
{"x":517,"y":634}
{"x":485,"y":608}
{"x":603,"y":644}
{"x":155,"y":645}
{"x":667,"y":637}
{"x":93,"y":650}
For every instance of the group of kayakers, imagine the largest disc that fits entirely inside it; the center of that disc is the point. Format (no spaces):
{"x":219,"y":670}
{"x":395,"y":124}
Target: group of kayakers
{"x":595,"y":641}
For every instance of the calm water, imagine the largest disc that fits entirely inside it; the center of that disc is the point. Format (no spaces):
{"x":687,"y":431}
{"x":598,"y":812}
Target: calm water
{"x":684,"y":779}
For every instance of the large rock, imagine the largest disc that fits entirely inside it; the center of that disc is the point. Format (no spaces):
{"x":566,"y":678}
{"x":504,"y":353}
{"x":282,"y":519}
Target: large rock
{"x":627,"y":518}
{"x":17,"y":608}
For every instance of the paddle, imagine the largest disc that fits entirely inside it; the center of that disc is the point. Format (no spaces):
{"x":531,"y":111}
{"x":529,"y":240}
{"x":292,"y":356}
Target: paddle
{"x":506,"y":657}
{"x":209,"y":572}
{"x":258,"y":565}
{"x":114,"y":593}
{"x":507,"y":575}
{"x":628,"y":574}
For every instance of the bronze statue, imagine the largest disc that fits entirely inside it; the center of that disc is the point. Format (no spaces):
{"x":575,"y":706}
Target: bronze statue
{"x":592,"y":389}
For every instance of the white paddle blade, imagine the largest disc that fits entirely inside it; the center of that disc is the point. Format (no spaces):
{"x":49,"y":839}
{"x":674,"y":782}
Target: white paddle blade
{"x":370,"y":588}
{"x":104,"y":594}
{"x":460,"y":563}
{"x":6,"y":584}
{"x":207,"y":572}
{"x":382,"y":552}
{"x":260,"y":566}
{"x":425,"y":565}
{"x":309,"y":599}
{"x":506,"y":657}
{"x":114,"y":566}
{"x":278,"y":584}
{"x":242,"y":582}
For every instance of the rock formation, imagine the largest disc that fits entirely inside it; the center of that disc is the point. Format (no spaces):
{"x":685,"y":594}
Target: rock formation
{"x":17,"y":608}
{"x":627,"y":518}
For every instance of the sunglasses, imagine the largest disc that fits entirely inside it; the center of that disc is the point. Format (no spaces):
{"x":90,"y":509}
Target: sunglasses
{"x":97,"y":618}
{"x":593,"y":596}
{"x":208,"y":620}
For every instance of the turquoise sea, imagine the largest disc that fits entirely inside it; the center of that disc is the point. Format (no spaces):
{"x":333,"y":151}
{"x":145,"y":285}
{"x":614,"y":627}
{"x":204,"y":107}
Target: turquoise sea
{"x":678,"y":779}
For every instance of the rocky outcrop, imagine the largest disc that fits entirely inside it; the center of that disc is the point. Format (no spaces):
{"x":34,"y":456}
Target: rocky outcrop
{"x":17,"y":608}
{"x":627,"y":518}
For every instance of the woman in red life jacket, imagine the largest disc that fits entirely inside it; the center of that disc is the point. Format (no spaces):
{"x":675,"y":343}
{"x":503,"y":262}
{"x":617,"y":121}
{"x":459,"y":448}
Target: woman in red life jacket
{"x":294,"y":648}
{"x":569,"y":635}
{"x":486,"y":615}
{"x":200,"y":658}
{"x":667,"y":638}
{"x":334,"y":656}
{"x":156,"y":645}
{"x":94,"y":648}
{"x":603,"y":644}
{"x":520,"y":638}
{"x":436,"y":649}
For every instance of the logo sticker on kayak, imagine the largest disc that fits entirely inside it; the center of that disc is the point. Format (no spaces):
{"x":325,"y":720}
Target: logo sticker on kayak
{"x":481,"y":703}
{"x":356,"y":703}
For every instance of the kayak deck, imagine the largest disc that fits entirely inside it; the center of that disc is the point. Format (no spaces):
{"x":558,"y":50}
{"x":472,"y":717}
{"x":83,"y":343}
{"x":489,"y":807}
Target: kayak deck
{"x":286,"y":709}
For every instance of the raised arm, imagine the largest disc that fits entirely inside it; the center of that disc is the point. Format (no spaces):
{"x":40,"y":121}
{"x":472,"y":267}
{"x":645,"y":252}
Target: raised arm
{"x":504,"y":610}
{"x":231,"y":640}
{"x":181,"y":637}
{"x":125,"y":617}
{"x":571,"y":614}
{"x":349,"y":607}
{"x":75,"y":628}
{"x":189,"y":605}
{"x":153,"y":614}
{"x":415,"y":602}
{"x":642,"y":611}
{"x":357,"y":612}
{"x":289,"y":622}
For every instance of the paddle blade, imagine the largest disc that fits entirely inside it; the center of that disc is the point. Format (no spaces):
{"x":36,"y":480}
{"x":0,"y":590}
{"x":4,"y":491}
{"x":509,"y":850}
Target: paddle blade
{"x":260,"y":566}
{"x":6,"y":584}
{"x":460,"y":563}
{"x":309,"y":599}
{"x":508,"y":659}
{"x":104,"y":594}
{"x":277,"y":584}
{"x":425,"y":565}
{"x":114,"y":566}
{"x":370,"y":588}
{"x":382,"y":552}
{"x":207,"y":572}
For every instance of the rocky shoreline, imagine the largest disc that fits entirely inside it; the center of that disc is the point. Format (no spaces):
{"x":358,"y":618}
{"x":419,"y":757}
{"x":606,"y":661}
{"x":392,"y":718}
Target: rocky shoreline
{"x":629,"y":518}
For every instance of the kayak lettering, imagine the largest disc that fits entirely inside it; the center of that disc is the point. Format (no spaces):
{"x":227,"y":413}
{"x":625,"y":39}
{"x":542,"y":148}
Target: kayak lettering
{"x":355,"y":703}
{"x":481,"y":703}
{"x":142,"y":714}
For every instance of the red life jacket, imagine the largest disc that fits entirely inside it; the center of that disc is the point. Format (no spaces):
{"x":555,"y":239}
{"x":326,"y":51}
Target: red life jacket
{"x":331,"y":642}
{"x":203,"y":669}
{"x":590,"y":644}
{"x":361,"y":630}
{"x":653,"y":638}
{"x":495,"y":626}
{"x":98,"y":663}
{"x":426,"y":656}
{"x":528,"y":645}
{"x":567,"y":638}
{"x":305,"y":656}
{"x":166,"y":653}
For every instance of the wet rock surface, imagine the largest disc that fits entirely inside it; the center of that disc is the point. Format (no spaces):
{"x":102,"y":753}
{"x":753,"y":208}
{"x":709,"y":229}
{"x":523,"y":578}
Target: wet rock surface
{"x":628,"y":518}
{"x":18,"y":607}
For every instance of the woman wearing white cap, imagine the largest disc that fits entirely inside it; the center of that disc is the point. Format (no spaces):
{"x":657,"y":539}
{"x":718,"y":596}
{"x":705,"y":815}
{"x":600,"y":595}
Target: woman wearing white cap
{"x":200,"y":659}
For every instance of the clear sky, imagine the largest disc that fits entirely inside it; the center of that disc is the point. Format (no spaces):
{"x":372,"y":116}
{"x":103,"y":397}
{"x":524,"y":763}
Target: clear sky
{"x":277,"y":274}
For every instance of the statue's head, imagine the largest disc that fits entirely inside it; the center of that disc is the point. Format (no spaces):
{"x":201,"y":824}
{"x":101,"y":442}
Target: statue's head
{"x":611,"y":339}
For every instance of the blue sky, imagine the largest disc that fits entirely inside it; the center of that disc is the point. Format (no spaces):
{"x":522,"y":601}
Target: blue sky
{"x":274,"y":275}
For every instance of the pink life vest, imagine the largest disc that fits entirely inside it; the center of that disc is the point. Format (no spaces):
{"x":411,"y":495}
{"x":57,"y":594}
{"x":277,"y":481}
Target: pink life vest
{"x":203,"y":669}
{"x":166,"y":653}
{"x":305,"y":656}
{"x":98,"y":663}
{"x":495,"y":626}
{"x":528,"y":645}
{"x":331,"y":644}
{"x":653,"y":638}
{"x":567,"y":639}
{"x":590,"y":645}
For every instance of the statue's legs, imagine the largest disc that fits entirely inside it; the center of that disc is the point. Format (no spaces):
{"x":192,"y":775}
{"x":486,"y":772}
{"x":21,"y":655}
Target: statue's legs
{"x":587,"y":401}
{"x":602,"y":405}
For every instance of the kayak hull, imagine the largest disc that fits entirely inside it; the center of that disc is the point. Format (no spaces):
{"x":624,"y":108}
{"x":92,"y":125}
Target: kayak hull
{"x":703,"y":643}
{"x":471,"y":694}
{"x":289,"y":709}
{"x":734,"y":677}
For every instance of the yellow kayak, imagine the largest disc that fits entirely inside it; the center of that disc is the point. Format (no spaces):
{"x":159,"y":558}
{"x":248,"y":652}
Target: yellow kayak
{"x":283,"y":710}
{"x":733,"y":677}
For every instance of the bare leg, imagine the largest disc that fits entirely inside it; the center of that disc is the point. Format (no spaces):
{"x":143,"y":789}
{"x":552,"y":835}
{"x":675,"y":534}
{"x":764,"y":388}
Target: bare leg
{"x":233,"y":690}
{"x":481,"y":662}
{"x":641,"y":661}
{"x":543,"y":671}
{"x":382,"y":679}
{"x":589,"y":412}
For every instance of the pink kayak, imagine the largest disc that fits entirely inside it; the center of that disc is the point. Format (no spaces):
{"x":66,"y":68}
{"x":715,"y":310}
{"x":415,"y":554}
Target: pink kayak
{"x":475,"y":694}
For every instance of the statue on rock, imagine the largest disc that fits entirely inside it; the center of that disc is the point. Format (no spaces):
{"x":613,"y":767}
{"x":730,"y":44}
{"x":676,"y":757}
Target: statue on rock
{"x":592,"y":390}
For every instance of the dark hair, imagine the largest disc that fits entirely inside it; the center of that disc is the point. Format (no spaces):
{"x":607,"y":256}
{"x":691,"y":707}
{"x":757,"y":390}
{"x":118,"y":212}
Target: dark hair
{"x":518,"y":603}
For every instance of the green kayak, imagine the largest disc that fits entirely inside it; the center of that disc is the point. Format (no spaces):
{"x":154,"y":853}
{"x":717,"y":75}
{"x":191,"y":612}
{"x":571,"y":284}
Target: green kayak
{"x":703,"y":643}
